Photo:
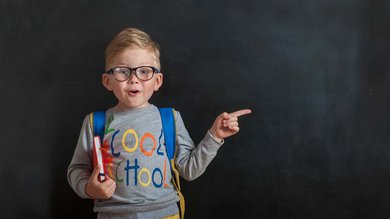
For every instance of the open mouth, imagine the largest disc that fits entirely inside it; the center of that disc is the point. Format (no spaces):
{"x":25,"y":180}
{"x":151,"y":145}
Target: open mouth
{"x":134,"y":92}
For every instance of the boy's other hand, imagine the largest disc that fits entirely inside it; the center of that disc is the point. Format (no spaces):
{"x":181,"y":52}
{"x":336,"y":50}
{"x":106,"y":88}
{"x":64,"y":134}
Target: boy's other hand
{"x":226,"y":124}
{"x":99,"y":190}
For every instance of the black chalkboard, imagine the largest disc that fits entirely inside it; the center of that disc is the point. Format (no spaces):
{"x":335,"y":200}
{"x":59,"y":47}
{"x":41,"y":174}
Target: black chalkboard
{"x":315,"y":74}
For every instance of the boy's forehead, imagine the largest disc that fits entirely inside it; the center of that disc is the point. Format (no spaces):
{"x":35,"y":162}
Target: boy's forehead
{"x":134,"y":56}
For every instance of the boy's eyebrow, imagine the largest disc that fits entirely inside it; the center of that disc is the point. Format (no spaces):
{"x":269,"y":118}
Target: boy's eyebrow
{"x":125,"y":65}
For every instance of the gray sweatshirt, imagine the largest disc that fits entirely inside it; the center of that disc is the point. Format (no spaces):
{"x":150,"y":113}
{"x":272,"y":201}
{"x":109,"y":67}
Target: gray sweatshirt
{"x":137,"y":161}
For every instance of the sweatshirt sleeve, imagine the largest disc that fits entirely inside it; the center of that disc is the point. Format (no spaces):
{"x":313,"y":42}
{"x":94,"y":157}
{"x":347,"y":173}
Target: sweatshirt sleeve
{"x":191,"y":160}
{"x":80,"y":168}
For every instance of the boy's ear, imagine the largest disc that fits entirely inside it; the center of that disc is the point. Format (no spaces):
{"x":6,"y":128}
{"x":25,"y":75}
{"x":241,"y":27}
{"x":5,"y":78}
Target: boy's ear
{"x":106,"y":82}
{"x":158,"y":82}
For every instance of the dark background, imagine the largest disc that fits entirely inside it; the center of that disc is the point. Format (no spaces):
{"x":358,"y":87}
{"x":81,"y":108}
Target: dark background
{"x":315,"y":74}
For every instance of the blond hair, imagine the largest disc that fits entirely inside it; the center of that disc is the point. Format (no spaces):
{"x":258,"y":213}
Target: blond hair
{"x":132,"y":38}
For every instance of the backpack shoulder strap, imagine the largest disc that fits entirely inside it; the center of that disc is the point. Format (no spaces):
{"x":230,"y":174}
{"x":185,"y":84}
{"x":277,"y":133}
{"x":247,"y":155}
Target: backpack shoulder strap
{"x":168,"y":122}
{"x":97,"y":121}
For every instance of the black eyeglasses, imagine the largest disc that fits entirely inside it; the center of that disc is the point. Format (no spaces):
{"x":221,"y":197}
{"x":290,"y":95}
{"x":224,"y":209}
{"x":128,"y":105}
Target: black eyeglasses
{"x":143,"y":73}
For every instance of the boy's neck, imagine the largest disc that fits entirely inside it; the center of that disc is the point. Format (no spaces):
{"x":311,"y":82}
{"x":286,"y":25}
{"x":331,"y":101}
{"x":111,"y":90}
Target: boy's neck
{"x":122,"y":107}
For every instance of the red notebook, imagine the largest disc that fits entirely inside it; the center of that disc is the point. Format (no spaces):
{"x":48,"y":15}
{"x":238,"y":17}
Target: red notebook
{"x":98,"y":157}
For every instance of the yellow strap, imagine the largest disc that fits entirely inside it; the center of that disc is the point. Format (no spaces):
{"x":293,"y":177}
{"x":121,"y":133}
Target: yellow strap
{"x":182,"y":205}
{"x":176,"y":183}
{"x":176,"y":176}
{"x":175,"y":216}
{"x":91,"y":121}
{"x":176,"y":180}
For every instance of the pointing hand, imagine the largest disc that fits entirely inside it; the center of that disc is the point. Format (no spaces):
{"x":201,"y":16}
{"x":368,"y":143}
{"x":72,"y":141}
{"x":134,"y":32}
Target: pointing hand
{"x":226,"y":124}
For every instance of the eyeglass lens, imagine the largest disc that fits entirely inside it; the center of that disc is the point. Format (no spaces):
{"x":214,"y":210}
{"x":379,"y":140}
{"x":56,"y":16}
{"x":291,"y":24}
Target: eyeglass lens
{"x":143,"y":73}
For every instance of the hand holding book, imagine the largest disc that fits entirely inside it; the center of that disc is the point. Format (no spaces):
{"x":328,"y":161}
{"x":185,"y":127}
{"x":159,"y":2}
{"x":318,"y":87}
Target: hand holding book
{"x":99,"y":190}
{"x":99,"y":185}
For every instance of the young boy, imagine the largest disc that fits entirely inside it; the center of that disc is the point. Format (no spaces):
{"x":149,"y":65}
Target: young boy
{"x":138,"y":177}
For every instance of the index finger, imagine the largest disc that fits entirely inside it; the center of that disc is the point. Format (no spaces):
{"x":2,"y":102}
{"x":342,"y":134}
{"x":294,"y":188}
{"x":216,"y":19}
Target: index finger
{"x":241,"y":112}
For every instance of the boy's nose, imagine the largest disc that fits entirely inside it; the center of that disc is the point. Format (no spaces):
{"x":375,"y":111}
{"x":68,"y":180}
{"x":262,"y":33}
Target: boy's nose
{"x":133,"y":79}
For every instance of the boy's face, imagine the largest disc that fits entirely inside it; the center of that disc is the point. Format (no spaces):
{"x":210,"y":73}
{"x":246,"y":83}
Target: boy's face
{"x":133,"y":93}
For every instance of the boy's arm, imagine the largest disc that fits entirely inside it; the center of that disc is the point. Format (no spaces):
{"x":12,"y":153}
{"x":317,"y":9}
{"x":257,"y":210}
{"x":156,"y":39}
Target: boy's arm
{"x":191,"y":160}
{"x":80,"y":168}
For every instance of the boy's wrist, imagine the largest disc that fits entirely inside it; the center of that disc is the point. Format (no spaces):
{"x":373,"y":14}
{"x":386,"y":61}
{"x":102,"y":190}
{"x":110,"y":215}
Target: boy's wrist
{"x":86,"y":191}
{"x":212,"y":134}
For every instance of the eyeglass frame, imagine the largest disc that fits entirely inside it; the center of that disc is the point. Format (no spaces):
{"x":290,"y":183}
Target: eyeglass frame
{"x":111,"y":71}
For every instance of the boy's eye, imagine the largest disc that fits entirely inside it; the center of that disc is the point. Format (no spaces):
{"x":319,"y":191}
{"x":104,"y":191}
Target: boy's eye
{"x":144,"y":70}
{"x":124,"y":71}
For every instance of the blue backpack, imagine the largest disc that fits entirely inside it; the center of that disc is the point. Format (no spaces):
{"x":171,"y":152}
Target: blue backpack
{"x":98,"y":119}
